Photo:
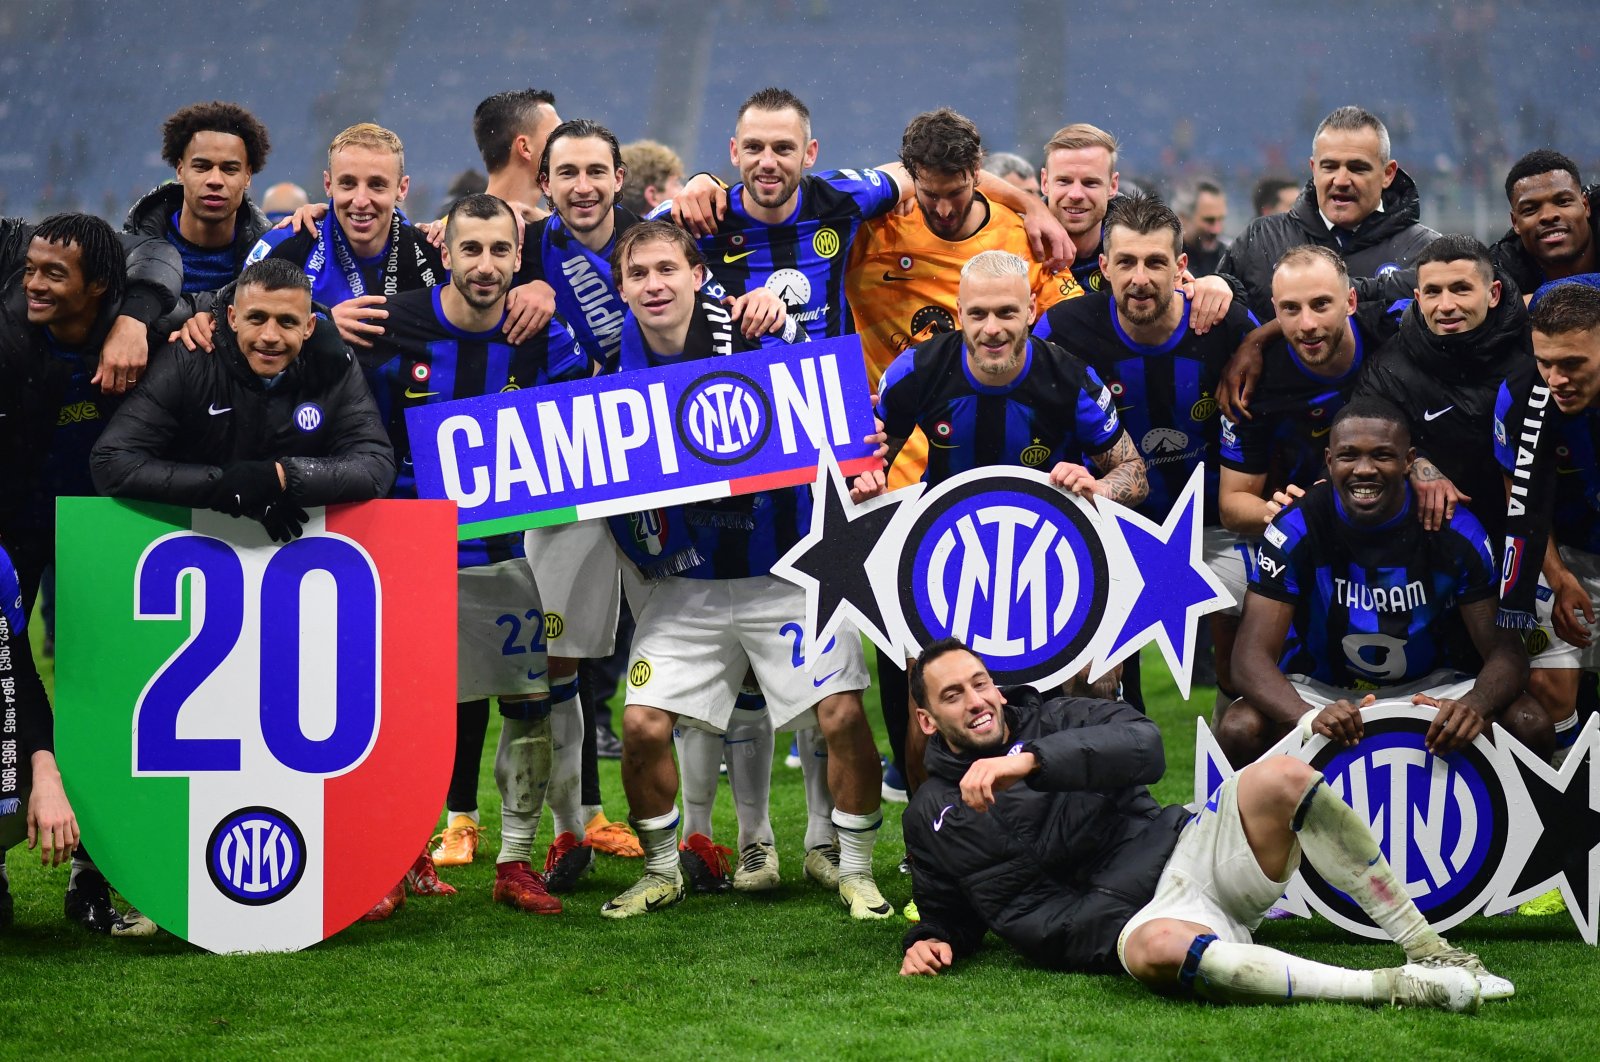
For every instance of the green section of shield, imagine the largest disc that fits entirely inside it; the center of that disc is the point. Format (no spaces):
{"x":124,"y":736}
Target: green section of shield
{"x":522,"y":522}
{"x":137,"y":829}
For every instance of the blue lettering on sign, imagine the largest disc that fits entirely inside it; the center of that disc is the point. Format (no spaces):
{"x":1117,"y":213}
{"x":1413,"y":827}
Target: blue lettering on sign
{"x":217,"y":591}
{"x":256,"y":856}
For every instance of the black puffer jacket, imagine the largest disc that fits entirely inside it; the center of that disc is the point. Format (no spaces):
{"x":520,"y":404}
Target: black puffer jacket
{"x":196,"y":412}
{"x":1061,"y":862}
{"x":1446,"y":386}
{"x":1382,"y":247}
{"x":152,"y":216}
{"x":1514,"y":260}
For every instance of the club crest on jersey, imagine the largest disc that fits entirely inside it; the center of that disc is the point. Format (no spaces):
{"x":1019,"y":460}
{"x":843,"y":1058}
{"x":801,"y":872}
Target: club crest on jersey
{"x":1035,"y":455}
{"x":639,"y":673}
{"x":825,"y":242}
{"x":308,"y":416}
{"x":1203,"y":410}
{"x":256,"y":856}
{"x":723,"y":416}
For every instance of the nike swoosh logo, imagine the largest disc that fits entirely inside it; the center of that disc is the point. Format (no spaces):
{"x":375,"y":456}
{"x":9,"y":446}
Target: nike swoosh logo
{"x":731,"y":258}
{"x":1429,"y":415}
{"x":816,"y":684}
{"x":1317,"y":433}
{"x":939,"y":822}
{"x":214,"y":411}
{"x":420,"y":394}
{"x":893,"y":276}
{"x":534,"y":676}
{"x":656,"y":904}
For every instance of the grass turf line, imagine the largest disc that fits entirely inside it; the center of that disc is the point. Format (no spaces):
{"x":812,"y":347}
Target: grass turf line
{"x":726,"y":976}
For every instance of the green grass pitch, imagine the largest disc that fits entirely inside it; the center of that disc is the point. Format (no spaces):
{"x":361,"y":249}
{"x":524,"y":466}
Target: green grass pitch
{"x":782,"y":975}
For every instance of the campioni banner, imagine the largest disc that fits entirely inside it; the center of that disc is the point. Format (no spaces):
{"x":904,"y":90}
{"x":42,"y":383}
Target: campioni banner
{"x":256,"y":738}
{"x":709,"y":428}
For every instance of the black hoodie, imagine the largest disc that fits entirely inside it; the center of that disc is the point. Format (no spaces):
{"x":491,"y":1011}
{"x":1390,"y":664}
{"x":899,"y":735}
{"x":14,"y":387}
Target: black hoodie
{"x":1446,"y":386}
{"x":1061,"y":862}
{"x":152,"y":216}
{"x":1382,"y":247}
{"x":1513,"y":259}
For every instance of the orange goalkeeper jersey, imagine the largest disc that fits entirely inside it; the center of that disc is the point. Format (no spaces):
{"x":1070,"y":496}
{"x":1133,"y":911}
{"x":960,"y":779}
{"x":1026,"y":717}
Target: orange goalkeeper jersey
{"x":901,"y":284}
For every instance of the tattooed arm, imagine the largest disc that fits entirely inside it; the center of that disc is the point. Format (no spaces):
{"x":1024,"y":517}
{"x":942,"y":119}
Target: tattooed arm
{"x":1437,"y":497}
{"x":1124,"y":478}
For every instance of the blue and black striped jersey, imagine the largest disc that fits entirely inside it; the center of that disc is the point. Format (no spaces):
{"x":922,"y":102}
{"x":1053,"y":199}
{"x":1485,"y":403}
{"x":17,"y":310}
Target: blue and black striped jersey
{"x":1056,"y":410}
{"x":802,"y":260}
{"x":422,"y":358}
{"x":1373,"y":606}
{"x":1165,"y":395}
{"x":1575,"y":522}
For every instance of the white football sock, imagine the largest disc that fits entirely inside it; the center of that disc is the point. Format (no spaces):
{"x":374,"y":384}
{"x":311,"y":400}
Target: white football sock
{"x":658,"y":836}
{"x":747,"y":747}
{"x":522,"y":773}
{"x":857,"y":835}
{"x":1347,"y":856}
{"x":819,"y":798}
{"x":1250,"y":973}
{"x":699,"y":765}
{"x":566,"y":768}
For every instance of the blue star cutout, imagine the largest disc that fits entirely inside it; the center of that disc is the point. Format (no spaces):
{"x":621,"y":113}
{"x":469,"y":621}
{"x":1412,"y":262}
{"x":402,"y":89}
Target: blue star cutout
{"x":1177,"y":586}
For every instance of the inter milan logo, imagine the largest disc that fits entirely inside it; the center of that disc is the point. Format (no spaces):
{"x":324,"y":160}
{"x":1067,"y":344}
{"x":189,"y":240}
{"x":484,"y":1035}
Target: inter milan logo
{"x":308,"y":416}
{"x":723,"y":416}
{"x":825,"y":242}
{"x":256,"y":856}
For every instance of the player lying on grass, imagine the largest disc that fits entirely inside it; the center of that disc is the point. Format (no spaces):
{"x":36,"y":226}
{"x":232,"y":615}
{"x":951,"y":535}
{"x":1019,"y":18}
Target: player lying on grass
{"x":1078,"y":867}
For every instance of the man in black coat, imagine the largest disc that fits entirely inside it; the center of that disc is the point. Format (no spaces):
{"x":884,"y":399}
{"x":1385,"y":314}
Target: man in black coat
{"x":1553,"y":231}
{"x":1035,"y":824}
{"x":276,"y":419}
{"x":1358,"y":203}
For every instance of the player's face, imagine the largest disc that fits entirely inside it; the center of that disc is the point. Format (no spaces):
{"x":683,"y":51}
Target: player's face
{"x":1570,"y":365}
{"x":365,"y":185}
{"x":1551,"y":217}
{"x":947,"y":201}
{"x":771,"y":150}
{"x":272,"y":326}
{"x":482,"y":258}
{"x":1078,"y":183}
{"x":996,"y":313}
{"x":658,"y":284}
{"x":964,"y":705}
{"x":583,"y":181}
{"x":53,"y":284}
{"x":1143,"y":271}
{"x":1205,"y":225}
{"x":1312,"y":304}
{"x":1367,"y":465}
{"x":1453,"y":297}
{"x":1350,"y":174}
{"x":214,"y":172}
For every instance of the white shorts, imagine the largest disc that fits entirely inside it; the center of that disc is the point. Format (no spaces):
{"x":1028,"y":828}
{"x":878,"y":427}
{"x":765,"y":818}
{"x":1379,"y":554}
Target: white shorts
{"x":1545,"y":647}
{"x":1212,"y":877}
{"x":1444,"y":684}
{"x":1231,"y":558}
{"x":576,"y":566}
{"x":697,"y":639}
{"x":499,"y":632}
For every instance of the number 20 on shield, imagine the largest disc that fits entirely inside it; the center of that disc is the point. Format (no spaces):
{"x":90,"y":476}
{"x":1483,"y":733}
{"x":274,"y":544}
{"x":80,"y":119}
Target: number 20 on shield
{"x":206,"y":578}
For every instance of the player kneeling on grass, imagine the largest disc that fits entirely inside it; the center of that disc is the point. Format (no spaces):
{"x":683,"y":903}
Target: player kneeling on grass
{"x":1078,"y":867}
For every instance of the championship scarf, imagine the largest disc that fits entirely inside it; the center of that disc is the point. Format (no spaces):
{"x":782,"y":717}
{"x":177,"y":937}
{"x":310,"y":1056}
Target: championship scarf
{"x":661,"y":542}
{"x":336,"y":276}
{"x":586,"y":293}
{"x":1529,"y":509}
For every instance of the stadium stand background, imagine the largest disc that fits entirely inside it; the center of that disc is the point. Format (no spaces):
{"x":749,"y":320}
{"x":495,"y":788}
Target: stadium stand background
{"x":1228,"y":88}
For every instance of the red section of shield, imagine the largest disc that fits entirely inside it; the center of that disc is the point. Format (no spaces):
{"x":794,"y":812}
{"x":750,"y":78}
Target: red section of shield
{"x":379,"y":816}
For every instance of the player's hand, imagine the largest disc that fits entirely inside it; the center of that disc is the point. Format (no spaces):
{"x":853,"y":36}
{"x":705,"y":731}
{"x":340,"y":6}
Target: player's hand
{"x":992,"y":775}
{"x":927,"y":957}
{"x":1209,"y":299}
{"x":123,"y":356}
{"x":1075,"y":479}
{"x":1048,"y":241}
{"x":355,"y":318}
{"x":1571,"y":599}
{"x":1437,"y":497}
{"x":245,"y":488}
{"x":701,"y":206}
{"x":1341,"y":721}
{"x":1453,"y":728}
{"x":870,"y":484}
{"x":432,"y":231}
{"x":195,"y":333}
{"x":759,"y":312}
{"x":879,"y":437}
{"x":52,"y":825}
{"x":284,"y":521}
{"x":305,"y":218}
{"x":529,"y":308}
{"x":1239,"y":377}
{"x":1282,"y":499}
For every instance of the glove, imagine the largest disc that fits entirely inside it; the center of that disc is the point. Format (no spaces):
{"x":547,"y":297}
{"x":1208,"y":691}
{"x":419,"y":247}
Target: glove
{"x":246,"y":488}
{"x":284,"y":520}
